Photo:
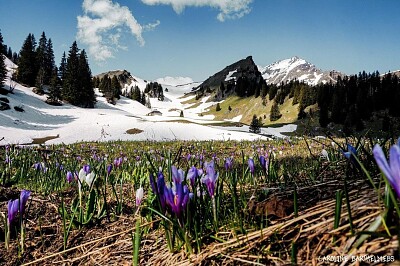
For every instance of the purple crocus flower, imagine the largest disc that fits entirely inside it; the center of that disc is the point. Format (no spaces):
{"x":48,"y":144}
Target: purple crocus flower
{"x":350,"y":150}
{"x":192,"y":175}
{"x":38,"y":166}
{"x":263,"y":162}
{"x":392,"y":170}
{"x":159,"y":190}
{"x":351,"y":154}
{"x":228,"y":163}
{"x":118,"y":162}
{"x":23,"y":198}
{"x":251,"y":165}
{"x":12,"y":210}
{"x":109,"y":168}
{"x":86,"y":168}
{"x":178,"y":175}
{"x":177,"y":197}
{"x":210,"y":179}
{"x":70,"y":177}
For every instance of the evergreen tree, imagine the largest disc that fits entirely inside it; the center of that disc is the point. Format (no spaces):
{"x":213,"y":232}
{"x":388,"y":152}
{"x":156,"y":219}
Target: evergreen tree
{"x":264,"y":91}
{"x":272,"y":91}
{"x":116,"y":87}
{"x":87,"y":94}
{"x":70,"y":91}
{"x":55,"y":90}
{"x":50,"y":64}
{"x":136,"y":95}
{"x":218,"y":108}
{"x":77,"y":84}
{"x":27,"y":70}
{"x":63,"y":67}
{"x":15,"y":58}
{"x":105,"y":88}
{"x":3,"y":69}
{"x":41,"y":55}
{"x":255,"y":125}
{"x":142,"y":98}
{"x":9,"y":53}
{"x":275,"y":113}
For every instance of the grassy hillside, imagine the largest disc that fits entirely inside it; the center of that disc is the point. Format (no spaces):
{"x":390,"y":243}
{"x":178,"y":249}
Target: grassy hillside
{"x":249,"y":106}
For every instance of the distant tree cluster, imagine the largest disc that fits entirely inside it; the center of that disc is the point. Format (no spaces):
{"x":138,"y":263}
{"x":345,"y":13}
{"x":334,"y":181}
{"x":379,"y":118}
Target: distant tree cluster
{"x":135,"y":94}
{"x":353,"y":99}
{"x":71,"y":82}
{"x":301,"y":93}
{"x":110,"y":87}
{"x":7,"y":51}
{"x":255,"y":125}
{"x":3,"y":70}
{"x":154,"y":90}
{"x":77,"y":84}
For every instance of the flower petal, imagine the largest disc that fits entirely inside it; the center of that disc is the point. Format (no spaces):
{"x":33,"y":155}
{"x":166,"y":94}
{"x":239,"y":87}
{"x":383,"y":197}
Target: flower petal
{"x":381,"y":161}
{"x":395,"y":168}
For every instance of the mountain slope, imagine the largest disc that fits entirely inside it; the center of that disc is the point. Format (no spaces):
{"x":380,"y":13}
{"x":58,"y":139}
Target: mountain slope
{"x":126,"y":79}
{"x":296,"y":68}
{"x":244,"y":67}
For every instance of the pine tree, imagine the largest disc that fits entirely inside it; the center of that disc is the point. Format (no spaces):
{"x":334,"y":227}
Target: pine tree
{"x":218,"y":108}
{"x":264,"y":91}
{"x":41,"y":55}
{"x":9,"y":53}
{"x":54,"y":91}
{"x":63,"y":66}
{"x":3,"y":69}
{"x":275,"y":113}
{"x":116,"y":88}
{"x":87,"y":95}
{"x":105,"y":88}
{"x":70,"y":89}
{"x":255,"y":125}
{"x":50,"y":64}
{"x":136,"y":95}
{"x":142,"y":98}
{"x":27,"y":70}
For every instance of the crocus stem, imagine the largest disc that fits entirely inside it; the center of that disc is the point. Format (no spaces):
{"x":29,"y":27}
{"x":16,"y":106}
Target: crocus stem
{"x":214,"y":207}
{"x":8,"y":235}
{"x":22,"y":237}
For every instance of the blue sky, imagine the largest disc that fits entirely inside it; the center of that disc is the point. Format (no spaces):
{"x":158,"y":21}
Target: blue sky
{"x":157,"y":38}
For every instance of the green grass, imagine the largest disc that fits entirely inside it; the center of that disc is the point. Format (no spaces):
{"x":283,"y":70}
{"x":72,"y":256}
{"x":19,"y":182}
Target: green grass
{"x":249,"y":106}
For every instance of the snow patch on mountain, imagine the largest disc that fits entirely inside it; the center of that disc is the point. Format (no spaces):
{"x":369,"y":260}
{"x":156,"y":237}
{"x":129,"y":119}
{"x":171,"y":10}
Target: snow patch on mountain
{"x":296,"y":68}
{"x":229,"y":76}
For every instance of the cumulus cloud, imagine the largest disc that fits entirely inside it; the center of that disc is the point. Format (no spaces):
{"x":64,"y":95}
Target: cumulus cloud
{"x":229,"y":9}
{"x":100,"y":27}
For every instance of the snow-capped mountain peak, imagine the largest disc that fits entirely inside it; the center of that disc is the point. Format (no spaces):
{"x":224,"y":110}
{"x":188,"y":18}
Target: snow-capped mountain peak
{"x":296,"y":68}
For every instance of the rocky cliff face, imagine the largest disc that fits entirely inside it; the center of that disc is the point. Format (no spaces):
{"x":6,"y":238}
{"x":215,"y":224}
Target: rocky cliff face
{"x":245,"y":67}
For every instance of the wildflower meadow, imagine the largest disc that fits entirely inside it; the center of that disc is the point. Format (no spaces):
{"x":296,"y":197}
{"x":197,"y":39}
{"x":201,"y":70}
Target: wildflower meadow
{"x":299,"y":201}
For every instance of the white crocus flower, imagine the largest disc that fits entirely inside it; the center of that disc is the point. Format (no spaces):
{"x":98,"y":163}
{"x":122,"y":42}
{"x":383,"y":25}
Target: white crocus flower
{"x":139,"y":196}
{"x":324,"y":154}
{"x":89,"y":178}
{"x":82,"y":177}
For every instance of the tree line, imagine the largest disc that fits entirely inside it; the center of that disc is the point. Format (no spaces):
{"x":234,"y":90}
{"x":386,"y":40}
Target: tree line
{"x":70,"y":82}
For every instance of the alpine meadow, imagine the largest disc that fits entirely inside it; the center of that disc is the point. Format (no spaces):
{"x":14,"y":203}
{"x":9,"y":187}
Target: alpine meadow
{"x":201,"y":132}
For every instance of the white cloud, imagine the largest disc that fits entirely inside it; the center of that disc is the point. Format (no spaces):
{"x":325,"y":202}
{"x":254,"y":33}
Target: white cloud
{"x":229,"y":9}
{"x":100,"y":27}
